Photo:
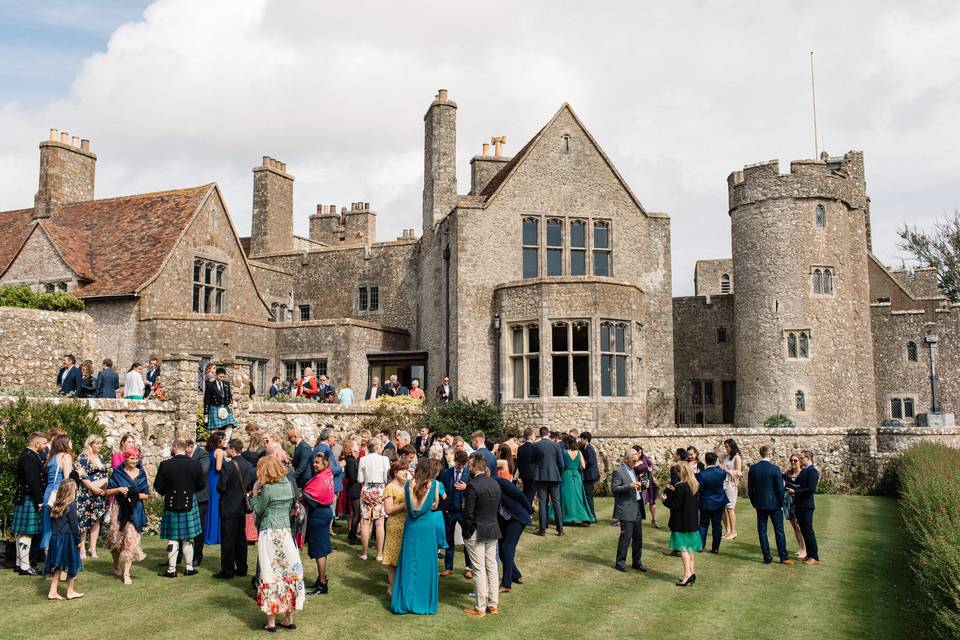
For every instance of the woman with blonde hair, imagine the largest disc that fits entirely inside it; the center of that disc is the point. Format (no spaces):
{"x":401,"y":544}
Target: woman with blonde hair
{"x":92,"y":497}
{"x":345,"y":396}
{"x":281,"y":590}
{"x":684,"y":508}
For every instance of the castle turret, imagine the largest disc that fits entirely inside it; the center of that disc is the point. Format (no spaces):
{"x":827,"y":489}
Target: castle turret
{"x":67,"y":173}
{"x":272,"y":228}
{"x":439,"y":160}
{"x":800,"y":248}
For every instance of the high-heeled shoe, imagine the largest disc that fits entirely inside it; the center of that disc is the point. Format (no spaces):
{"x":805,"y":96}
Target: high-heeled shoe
{"x":689,"y":581}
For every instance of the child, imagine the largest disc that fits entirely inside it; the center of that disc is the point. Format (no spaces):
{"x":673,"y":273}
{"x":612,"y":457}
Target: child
{"x":63,"y":554}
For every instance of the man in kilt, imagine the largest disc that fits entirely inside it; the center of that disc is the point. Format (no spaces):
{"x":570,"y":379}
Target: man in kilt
{"x":218,"y":402}
{"x":28,"y":501}
{"x":178,"y":479}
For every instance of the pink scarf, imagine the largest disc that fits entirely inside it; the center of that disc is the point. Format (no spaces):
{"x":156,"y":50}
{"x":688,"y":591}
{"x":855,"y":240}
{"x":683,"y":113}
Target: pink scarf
{"x":320,"y":488}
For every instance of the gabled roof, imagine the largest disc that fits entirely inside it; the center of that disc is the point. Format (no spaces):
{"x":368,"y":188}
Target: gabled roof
{"x":496,"y":183}
{"x":114,"y":245}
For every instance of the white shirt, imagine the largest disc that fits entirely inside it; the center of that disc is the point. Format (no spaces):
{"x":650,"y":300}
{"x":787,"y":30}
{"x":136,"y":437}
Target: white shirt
{"x":373,"y":469}
{"x":633,"y":478}
{"x":133,"y":384}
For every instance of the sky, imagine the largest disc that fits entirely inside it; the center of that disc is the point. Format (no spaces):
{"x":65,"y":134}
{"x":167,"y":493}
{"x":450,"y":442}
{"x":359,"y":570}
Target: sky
{"x":178,"y":93}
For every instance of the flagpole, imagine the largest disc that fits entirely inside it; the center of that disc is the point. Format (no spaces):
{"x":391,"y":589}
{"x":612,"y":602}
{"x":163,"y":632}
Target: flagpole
{"x":813,"y":92}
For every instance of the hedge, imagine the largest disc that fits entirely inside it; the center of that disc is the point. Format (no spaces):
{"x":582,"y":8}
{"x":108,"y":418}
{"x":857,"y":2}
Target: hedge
{"x":930,"y":507}
{"x":25,"y":297}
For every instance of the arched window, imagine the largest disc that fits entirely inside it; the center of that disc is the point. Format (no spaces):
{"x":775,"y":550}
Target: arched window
{"x":827,"y":282}
{"x":800,"y":401}
{"x":725,"y":283}
{"x":804,"y":350}
{"x":817,"y":281}
{"x":792,"y":345}
{"x":821,"y":216}
{"x":912,"y":351}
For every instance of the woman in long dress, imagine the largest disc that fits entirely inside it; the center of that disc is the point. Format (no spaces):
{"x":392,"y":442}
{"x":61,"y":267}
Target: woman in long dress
{"x":91,"y":497}
{"x":59,"y":466}
{"x":128,"y":484}
{"x":318,"y":497}
{"x":396,"y":510}
{"x":416,"y":586}
{"x":733,"y":465}
{"x":281,"y":590}
{"x":573,"y":498}
{"x":216,"y":444}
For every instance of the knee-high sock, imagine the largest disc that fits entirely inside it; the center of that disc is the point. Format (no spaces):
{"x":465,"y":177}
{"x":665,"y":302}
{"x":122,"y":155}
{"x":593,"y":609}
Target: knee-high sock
{"x":173,"y":550}
{"x":187,"y":547}
{"x":23,"y":552}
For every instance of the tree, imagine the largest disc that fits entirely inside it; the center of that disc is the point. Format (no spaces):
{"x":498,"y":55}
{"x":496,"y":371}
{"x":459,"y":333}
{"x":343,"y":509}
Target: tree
{"x":939,"y":248}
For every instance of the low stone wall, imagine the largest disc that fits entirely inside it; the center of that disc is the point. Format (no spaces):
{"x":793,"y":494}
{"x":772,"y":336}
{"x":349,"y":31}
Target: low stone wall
{"x":896,"y":441}
{"x":33,"y":342}
{"x":312,"y":417}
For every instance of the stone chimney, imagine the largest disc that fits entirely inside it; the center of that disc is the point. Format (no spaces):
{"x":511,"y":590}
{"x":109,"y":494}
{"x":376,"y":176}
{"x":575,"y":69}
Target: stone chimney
{"x":484,"y":166}
{"x":272,"y":230}
{"x":439,"y":160}
{"x":67,"y":172}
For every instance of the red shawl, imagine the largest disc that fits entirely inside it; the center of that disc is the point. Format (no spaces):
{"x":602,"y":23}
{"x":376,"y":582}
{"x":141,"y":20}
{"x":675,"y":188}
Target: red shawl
{"x":320,"y":488}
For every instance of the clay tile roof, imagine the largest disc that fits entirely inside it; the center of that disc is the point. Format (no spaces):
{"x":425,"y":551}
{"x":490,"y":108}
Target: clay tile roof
{"x":115,"y":245}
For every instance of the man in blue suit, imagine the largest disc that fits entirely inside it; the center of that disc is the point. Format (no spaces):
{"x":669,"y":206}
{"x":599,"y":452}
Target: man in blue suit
{"x":803,"y":505}
{"x":765,"y":486}
{"x":479,"y":441}
{"x":69,"y":378}
{"x":454,"y":480}
{"x":515,"y":515}
{"x":548,"y":471}
{"x":108,"y":382}
{"x":713,"y":500}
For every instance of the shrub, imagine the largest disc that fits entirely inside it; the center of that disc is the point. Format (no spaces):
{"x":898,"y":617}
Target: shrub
{"x":779,"y":421}
{"x":395,"y":416}
{"x":25,"y":297}
{"x":21,"y":418}
{"x":463,"y":417}
{"x":930,"y":507}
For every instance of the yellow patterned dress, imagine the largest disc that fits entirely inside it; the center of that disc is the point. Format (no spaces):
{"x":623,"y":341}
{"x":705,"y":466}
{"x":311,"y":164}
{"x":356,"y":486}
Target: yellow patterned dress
{"x":394,"y":534}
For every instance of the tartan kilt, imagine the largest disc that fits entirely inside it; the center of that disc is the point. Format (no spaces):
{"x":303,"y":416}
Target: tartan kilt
{"x":180,"y":525}
{"x":27,"y":521}
{"x":214,"y":423}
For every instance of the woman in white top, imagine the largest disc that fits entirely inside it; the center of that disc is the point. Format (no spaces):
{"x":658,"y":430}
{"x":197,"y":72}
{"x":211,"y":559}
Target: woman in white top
{"x":345,"y":396}
{"x":372,"y":475}
{"x":133,"y":384}
{"x":733,"y":465}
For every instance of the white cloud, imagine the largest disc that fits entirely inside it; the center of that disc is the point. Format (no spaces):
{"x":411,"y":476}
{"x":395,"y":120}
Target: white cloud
{"x":679,"y":94}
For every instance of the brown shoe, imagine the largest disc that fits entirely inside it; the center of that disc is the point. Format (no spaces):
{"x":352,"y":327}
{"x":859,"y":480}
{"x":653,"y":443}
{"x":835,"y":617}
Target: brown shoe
{"x":492,"y":611}
{"x":468,"y":574}
{"x":504,"y":590}
{"x":519,"y":580}
{"x":475,"y":612}
{"x":788,"y":562}
{"x":446,"y":572}
{"x":811,"y":561}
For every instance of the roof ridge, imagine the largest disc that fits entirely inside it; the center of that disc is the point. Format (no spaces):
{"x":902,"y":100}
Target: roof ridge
{"x":208,"y":185}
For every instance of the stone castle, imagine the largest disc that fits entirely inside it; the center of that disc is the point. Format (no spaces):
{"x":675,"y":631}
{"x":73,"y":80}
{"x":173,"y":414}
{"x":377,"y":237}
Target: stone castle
{"x":546,"y":288}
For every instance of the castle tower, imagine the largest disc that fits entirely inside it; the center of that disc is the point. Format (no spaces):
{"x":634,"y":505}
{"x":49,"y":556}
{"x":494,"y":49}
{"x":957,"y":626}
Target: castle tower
{"x":802,"y":306}
{"x":439,"y":160}
{"x":67,"y":172}
{"x":272,"y":228}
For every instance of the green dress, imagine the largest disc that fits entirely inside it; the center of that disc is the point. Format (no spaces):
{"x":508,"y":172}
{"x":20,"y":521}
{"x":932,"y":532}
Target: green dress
{"x":573,"y":499}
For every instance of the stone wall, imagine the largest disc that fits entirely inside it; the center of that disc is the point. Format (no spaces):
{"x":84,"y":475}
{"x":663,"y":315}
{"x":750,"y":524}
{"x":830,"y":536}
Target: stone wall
{"x":39,"y":263}
{"x":700,"y":356}
{"x":708,"y":274}
{"x":33,"y":342}
{"x":311,"y":418}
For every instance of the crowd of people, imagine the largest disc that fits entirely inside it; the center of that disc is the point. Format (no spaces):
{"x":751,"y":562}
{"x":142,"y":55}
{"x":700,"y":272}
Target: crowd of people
{"x":405,"y":501}
{"x":320,"y":388}
{"x":82,"y":381}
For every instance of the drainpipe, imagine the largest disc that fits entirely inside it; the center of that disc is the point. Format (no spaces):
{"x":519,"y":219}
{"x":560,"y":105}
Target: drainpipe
{"x":496,"y":358}
{"x":446,"y":315}
{"x":934,"y":401}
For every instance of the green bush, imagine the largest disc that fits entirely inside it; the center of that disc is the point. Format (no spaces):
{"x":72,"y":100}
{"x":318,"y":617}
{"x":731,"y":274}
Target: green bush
{"x":25,"y":297}
{"x":930,"y":507}
{"x":778,"y":421}
{"x":463,"y":417}
{"x":22,"y":417}
{"x":395,"y":417}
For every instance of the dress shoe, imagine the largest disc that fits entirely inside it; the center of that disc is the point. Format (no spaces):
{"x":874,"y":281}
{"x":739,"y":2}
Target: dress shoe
{"x":561,"y":533}
{"x":811,"y":561}
{"x":788,"y":562}
{"x":475,"y":612}
{"x":190,"y":572}
{"x":518,"y":580}
{"x":492,"y":610}
{"x":714,"y":551}
{"x":619,"y":568}
{"x":540,"y":532}
{"x":28,"y":572}
{"x":167,"y":574}
{"x":220,"y":575}
{"x":640,"y":567}
{"x":446,"y":572}
{"x":353,"y":541}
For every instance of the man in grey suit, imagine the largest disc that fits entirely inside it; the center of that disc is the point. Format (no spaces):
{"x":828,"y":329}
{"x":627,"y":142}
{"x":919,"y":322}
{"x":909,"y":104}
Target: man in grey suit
{"x":628,"y":509}
{"x":547,"y":472}
{"x":200,"y":454}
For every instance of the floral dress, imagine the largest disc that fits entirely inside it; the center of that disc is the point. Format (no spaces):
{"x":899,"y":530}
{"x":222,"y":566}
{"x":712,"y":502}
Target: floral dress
{"x":394,"y":537}
{"x":90,"y":508}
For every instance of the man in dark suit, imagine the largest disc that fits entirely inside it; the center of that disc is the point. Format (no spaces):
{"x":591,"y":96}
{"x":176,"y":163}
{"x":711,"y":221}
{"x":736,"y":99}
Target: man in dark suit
{"x":628,"y":510}
{"x":302,"y":457}
{"x":150,"y":377}
{"x":201,"y":455}
{"x":454,"y":480}
{"x":526,"y":465}
{"x":548,"y":470}
{"x":375,"y":390}
{"x":479,"y":441}
{"x":395,"y":388}
{"x":803,"y":505}
{"x":69,"y":378}
{"x":177,"y":480}
{"x":765,"y":486}
{"x":275,"y":387}
{"x":444,"y":391}
{"x":27,"y":522}
{"x":236,"y":479}
{"x":324,"y":387}
{"x":713,"y":500}
{"x":217,"y":394}
{"x":591,"y":469}
{"x":515,"y":512}
{"x":107,"y":381}
{"x":481,"y":531}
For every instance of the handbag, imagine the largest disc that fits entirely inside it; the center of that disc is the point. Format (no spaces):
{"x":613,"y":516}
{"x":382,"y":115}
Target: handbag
{"x":53,"y":494}
{"x":247,"y":507}
{"x":250,"y":528}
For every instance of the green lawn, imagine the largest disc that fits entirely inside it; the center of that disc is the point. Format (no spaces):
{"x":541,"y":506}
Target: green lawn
{"x":570,"y":590}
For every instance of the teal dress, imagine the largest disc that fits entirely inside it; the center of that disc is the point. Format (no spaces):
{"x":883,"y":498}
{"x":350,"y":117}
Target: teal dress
{"x":416,"y":586}
{"x":573,"y":498}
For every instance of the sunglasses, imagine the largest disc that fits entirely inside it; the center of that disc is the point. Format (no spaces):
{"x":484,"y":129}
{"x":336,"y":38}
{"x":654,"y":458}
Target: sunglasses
{"x":794,"y":460}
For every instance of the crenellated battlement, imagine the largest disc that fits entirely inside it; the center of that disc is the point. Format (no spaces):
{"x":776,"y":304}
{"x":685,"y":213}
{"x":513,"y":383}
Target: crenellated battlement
{"x":834,"y":178}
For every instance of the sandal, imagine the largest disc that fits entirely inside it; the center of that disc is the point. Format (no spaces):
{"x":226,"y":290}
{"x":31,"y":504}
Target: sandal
{"x":291,"y":626}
